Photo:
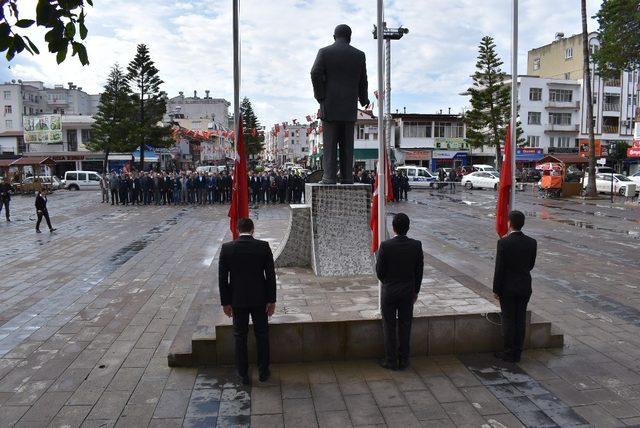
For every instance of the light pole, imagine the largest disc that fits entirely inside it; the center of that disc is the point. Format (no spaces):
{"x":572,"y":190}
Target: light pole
{"x":388,"y":34}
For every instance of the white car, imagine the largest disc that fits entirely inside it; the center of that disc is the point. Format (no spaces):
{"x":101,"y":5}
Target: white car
{"x":481,"y":179}
{"x":419,"y":176}
{"x":81,"y":180}
{"x":636,"y":179}
{"x":485,"y":168}
{"x":52,"y":182}
{"x":620,"y":184}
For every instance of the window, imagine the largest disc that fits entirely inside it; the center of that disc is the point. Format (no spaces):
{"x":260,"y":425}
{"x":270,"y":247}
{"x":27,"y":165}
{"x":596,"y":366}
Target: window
{"x":534,"y":118}
{"x":411,"y":172}
{"x":82,"y":176}
{"x":535,"y":94}
{"x":561,"y":95}
{"x":71,"y":176}
{"x":72,"y":139}
{"x":564,"y":142}
{"x":568,"y":53}
{"x":594,"y":98}
{"x":423,"y":173}
{"x":567,"y":76}
{"x":594,"y":49}
{"x":416,"y":130}
{"x":560,"y":118}
{"x":536,"y":64}
{"x":8,"y":109}
{"x":448,"y":130}
{"x":533,"y":141}
{"x":7,"y":95}
{"x":360,"y":132}
{"x":94,"y":177}
{"x":8,"y":123}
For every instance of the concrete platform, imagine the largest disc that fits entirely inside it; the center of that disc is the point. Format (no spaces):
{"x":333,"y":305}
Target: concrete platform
{"x":337,"y":319}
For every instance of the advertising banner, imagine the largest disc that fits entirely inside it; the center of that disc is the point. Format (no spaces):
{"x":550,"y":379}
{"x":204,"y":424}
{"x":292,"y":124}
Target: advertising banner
{"x":43,"y":129}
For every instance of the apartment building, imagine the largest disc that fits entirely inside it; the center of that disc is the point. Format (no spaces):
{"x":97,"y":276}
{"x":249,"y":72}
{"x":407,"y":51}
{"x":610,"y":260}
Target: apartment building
{"x":554,"y":88}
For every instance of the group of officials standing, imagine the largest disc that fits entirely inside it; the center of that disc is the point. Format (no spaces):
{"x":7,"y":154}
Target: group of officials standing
{"x":162,"y":188}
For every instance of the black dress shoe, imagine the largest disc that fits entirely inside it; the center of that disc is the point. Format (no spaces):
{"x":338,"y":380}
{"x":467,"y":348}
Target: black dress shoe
{"x":403,"y":365}
{"x":53,"y":229}
{"x":38,"y":231}
{"x":387,"y":365}
{"x":264,"y":376}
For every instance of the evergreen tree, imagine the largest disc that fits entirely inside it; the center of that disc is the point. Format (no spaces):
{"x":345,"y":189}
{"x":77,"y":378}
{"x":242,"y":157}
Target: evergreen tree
{"x":111,"y":131}
{"x":619,"y":34}
{"x":254,"y":144}
{"x":490,"y":101}
{"x":150,"y":102}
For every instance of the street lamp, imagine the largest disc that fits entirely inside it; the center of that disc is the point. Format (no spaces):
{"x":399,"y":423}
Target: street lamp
{"x":388,"y":34}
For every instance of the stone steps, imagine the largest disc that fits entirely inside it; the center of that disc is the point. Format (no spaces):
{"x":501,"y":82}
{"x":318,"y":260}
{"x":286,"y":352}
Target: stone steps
{"x":357,"y":339}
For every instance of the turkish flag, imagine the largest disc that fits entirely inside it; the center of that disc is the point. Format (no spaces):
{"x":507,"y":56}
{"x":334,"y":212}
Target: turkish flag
{"x":373,"y":221}
{"x":504,"y":188}
{"x":240,"y":191}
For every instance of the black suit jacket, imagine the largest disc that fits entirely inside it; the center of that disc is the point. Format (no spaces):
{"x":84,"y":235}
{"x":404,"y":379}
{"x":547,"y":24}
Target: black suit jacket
{"x":41,"y":203}
{"x":399,"y":267}
{"x":246,"y":274}
{"x":515,"y":258}
{"x":339,"y":77}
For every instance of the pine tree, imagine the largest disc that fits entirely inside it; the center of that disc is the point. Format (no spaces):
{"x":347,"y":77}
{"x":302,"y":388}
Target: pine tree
{"x":490,"y":101}
{"x":254,"y":144}
{"x":619,"y":34}
{"x":112,"y":128}
{"x":150,"y":101}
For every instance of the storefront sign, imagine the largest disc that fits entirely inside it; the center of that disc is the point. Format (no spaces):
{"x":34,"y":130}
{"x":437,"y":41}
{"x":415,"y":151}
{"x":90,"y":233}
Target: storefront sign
{"x":42,"y":129}
{"x":448,"y":154}
{"x":450,"y":143}
{"x":633,"y":152}
{"x":583,"y":148}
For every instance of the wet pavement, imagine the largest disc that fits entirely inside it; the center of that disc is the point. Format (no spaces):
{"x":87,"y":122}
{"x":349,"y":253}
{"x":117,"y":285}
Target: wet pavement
{"x":87,"y":315}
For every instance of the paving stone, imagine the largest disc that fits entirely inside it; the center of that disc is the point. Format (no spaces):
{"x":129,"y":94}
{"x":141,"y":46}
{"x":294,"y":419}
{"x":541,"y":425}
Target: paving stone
{"x":483,"y":400}
{"x":299,"y":412}
{"x":327,"y":397}
{"x":463,"y":414}
{"x":442,"y":388}
{"x":267,"y":421}
{"x":70,"y":416}
{"x":400,"y":416}
{"x":386,"y":393}
{"x":333,"y":419}
{"x":266,"y":400}
{"x":46,"y":407}
{"x":11,"y":414}
{"x":109,"y":406}
{"x":135,"y":415}
{"x":596,"y":415}
{"x":363,"y":409}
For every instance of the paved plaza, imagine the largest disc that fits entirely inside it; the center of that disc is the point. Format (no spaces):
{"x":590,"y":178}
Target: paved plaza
{"x":88,"y":314}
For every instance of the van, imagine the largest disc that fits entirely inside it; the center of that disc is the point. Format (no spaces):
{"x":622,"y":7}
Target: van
{"x":81,"y":180}
{"x":419,"y":176}
{"x":486,"y":168}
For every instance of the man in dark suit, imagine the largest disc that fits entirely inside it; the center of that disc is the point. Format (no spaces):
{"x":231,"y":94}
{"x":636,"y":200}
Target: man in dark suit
{"x":247,"y":281}
{"x":5,"y":197}
{"x":339,"y":77}
{"x":515,"y":258}
{"x":399,"y":267}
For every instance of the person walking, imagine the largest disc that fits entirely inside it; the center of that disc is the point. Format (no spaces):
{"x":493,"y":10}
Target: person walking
{"x":247,"y":282}
{"x":399,"y":267}
{"x":104,"y":188}
{"x":5,"y":197}
{"x":41,"y":211}
{"x":515,"y":258}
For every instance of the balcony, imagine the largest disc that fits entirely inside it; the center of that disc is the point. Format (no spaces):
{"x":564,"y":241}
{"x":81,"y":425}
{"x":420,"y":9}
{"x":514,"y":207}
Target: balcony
{"x":614,"y":83}
{"x":611,"y":107}
{"x":610,"y":129}
{"x":572,"y":105}
{"x":562,"y":128}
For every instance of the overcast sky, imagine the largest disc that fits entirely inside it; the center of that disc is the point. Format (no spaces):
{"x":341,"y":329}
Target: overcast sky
{"x":190,"y":41}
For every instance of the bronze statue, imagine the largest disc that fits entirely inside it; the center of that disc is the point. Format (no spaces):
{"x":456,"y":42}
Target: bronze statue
{"x":339,"y":77}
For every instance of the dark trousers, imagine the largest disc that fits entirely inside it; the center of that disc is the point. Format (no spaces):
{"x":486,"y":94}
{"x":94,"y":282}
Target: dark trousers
{"x":44,"y":214}
{"x":397,"y":311}
{"x":338,"y":134}
{"x":146,"y":196}
{"x":5,"y":203}
{"x":114,"y":196}
{"x":261,"y":331}
{"x":156,"y":196}
{"x":514,"y":317}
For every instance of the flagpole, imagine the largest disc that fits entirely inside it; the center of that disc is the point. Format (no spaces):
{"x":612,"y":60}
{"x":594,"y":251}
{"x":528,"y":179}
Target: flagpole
{"x":381,"y":140}
{"x":236,"y":71}
{"x":514,"y":102}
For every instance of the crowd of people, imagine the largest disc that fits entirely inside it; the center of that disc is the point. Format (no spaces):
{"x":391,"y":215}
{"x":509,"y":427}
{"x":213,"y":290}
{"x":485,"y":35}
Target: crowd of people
{"x":207,"y":188}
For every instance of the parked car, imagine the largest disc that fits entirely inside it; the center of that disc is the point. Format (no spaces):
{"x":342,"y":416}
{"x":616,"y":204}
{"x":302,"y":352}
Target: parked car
{"x":419,"y":176}
{"x":636,"y":179}
{"x":483,"y":167}
{"x":620,"y":184}
{"x":81,"y":180}
{"x":467,"y":170}
{"x":52,"y":182}
{"x":530,"y":175}
{"x":481,"y":180}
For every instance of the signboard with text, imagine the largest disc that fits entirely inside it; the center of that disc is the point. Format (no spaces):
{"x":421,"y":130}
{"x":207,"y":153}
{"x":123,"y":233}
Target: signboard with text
{"x":42,"y":129}
{"x":583,"y":148}
{"x":450,"y":143}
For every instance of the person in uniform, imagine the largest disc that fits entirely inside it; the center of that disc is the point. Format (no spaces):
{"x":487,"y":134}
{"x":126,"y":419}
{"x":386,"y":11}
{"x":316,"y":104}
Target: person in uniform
{"x":5,"y":197}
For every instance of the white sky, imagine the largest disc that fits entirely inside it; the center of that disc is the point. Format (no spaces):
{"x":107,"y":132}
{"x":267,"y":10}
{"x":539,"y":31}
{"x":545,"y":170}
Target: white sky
{"x":190,"y":41}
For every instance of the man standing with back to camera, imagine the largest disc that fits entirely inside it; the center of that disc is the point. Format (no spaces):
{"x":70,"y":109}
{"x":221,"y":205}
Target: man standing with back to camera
{"x":339,"y":77}
{"x":515,"y":258}
{"x":247,"y":281}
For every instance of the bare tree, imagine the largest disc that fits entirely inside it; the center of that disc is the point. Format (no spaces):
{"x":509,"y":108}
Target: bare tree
{"x":591,"y":185}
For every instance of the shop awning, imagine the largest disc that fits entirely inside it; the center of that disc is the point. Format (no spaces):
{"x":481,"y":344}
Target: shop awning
{"x":528,"y":157}
{"x":417,"y":155}
{"x":365,"y":154}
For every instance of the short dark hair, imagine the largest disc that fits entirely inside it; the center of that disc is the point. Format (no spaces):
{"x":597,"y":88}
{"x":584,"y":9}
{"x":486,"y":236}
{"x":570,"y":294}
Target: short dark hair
{"x":342,"y":31}
{"x":401,"y":223}
{"x":516,"y":219}
{"x":245,"y":225}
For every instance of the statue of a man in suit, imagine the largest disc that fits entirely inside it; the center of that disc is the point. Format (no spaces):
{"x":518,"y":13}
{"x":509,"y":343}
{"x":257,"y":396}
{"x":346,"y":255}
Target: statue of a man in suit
{"x":339,"y":77}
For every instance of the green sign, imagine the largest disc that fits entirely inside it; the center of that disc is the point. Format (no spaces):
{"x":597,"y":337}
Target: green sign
{"x":450,"y":143}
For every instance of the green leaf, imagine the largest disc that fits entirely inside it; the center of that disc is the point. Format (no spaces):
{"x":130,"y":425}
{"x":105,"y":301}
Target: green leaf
{"x":25,"y":23}
{"x":61,"y":55}
{"x":44,"y":12}
{"x":33,"y":47}
{"x":82,"y":52}
{"x":70,"y":30}
{"x":83,"y":31}
{"x":10,"y":54}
